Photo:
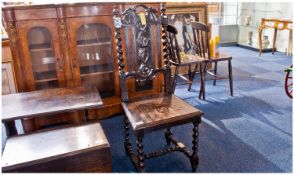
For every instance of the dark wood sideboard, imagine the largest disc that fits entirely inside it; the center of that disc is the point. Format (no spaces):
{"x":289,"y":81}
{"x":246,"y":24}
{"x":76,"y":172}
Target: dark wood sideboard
{"x":68,"y":45}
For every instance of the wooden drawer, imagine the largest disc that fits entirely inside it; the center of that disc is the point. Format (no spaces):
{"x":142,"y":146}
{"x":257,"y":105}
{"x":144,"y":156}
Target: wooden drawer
{"x":82,"y":148}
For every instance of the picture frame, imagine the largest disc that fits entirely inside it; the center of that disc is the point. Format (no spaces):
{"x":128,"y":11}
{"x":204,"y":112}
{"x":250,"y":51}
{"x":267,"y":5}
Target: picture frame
{"x":8,"y":78}
{"x":180,"y":15}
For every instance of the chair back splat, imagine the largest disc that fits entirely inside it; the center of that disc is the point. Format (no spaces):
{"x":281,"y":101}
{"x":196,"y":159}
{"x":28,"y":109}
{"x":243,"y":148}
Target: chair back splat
{"x":174,"y":50}
{"x":140,"y":33}
{"x":201,"y":39}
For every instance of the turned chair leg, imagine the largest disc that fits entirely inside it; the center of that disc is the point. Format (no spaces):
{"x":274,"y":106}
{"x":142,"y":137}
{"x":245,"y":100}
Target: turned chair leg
{"x":215,"y":72}
{"x":194,"y":159}
{"x":274,"y":40}
{"x":204,"y":69}
{"x":167,"y":135}
{"x":127,"y":143}
{"x":192,"y":76}
{"x":201,"y":81}
{"x":141,"y":156}
{"x":230,"y":77}
{"x":174,"y":83}
{"x":189,"y":78}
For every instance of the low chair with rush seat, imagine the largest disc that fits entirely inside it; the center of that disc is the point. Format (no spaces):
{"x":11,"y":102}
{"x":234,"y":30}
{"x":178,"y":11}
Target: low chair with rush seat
{"x":176,"y":60}
{"x":144,"y":30}
{"x":201,"y":41}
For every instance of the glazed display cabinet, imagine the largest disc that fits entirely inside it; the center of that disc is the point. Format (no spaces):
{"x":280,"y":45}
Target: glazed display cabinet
{"x":68,"y":45}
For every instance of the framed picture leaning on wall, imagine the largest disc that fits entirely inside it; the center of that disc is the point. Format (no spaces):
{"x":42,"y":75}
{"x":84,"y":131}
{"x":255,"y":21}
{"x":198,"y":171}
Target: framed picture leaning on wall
{"x":181,"y":15}
{"x":8,"y":79}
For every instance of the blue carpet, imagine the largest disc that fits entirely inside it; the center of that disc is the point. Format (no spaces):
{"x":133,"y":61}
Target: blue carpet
{"x":249,"y":132}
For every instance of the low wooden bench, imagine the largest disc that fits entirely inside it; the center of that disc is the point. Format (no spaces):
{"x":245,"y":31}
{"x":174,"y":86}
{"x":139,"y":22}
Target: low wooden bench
{"x":81,"y":148}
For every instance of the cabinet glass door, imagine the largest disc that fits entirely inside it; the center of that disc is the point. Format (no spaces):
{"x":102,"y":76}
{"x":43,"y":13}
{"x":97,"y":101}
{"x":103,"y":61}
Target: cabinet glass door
{"x":42,"y":58}
{"x":94,"y":44}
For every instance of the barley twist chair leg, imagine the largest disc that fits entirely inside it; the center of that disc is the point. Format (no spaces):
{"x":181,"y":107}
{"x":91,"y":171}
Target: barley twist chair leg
{"x":194,"y":157}
{"x":140,"y":151}
{"x":167,"y":135}
{"x":127,"y":143}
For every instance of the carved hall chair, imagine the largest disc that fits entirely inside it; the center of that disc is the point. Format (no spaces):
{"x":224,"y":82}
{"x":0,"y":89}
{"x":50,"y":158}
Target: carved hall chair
{"x":140,"y":39}
{"x":201,"y":41}
{"x":176,"y":60}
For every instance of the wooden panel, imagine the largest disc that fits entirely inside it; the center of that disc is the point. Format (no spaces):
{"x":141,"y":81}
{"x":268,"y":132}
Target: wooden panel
{"x":214,"y":8}
{"x":155,"y":5}
{"x":158,"y":111}
{"x":91,"y":161}
{"x":53,"y":121}
{"x":6,"y":52}
{"x":50,"y":101}
{"x":76,"y":149}
{"x":86,"y":10}
{"x":8,"y":78}
{"x":39,"y":13}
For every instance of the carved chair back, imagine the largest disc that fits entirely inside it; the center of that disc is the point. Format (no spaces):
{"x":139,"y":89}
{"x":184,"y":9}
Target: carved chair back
{"x":201,"y":39}
{"x":140,"y":33}
{"x":174,"y":50}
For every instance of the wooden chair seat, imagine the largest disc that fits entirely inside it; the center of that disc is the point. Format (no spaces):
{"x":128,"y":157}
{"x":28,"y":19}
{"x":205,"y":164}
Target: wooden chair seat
{"x":220,"y":57}
{"x":158,"y":112}
{"x":192,"y":59}
{"x":196,"y":59}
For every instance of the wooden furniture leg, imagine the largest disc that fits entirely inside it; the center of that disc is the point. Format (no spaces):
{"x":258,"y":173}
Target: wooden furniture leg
{"x":215,"y":72}
{"x":167,"y":135}
{"x":204,"y":70}
{"x":141,"y":155}
{"x":192,"y":76}
{"x":189,"y":78}
{"x":127,"y":144}
{"x":259,"y":39}
{"x":201,"y":81}
{"x":175,"y":79}
{"x":230,"y":77}
{"x":289,"y":50}
{"x":194,"y":156}
{"x":274,"y":40}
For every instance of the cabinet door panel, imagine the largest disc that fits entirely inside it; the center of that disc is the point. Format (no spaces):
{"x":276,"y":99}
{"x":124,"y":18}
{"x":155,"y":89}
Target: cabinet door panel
{"x":92,"y":53}
{"x":41,"y":54}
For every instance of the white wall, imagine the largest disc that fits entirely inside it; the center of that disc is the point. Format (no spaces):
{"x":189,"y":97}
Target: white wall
{"x":258,"y":10}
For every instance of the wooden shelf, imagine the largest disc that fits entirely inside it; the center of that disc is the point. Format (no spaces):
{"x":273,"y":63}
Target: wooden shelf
{"x":93,"y":42}
{"x":96,"y":68}
{"x":40,"y":47}
{"x":44,"y":67}
{"x":46,"y":80}
{"x":97,"y":73}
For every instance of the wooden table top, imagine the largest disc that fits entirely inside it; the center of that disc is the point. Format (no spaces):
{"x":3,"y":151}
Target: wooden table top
{"x":51,"y":145}
{"x":49,"y":101}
